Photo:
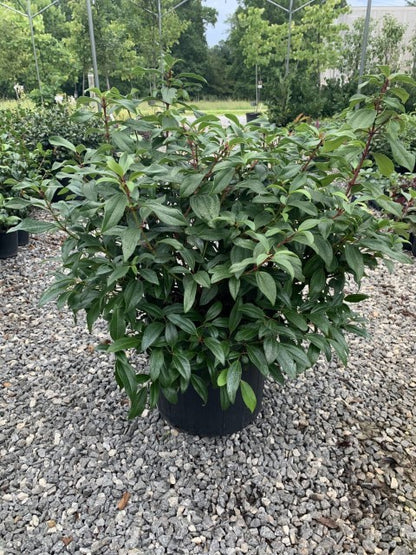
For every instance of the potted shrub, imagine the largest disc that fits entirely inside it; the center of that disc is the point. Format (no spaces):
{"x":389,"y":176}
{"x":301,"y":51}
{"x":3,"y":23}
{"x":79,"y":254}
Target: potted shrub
{"x":403,"y":192}
{"x":396,"y":198}
{"x":8,"y":239}
{"x":223,"y":254}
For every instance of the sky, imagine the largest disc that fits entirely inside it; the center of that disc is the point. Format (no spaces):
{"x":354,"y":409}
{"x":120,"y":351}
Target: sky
{"x":226,"y":8}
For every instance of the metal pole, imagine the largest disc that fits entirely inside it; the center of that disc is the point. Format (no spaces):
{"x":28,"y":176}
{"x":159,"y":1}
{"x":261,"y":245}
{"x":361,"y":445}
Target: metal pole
{"x":289,"y":38}
{"x":92,"y":40}
{"x":365,"y":42}
{"x":257,"y":89}
{"x":35,"y":55}
{"x":159,"y":24}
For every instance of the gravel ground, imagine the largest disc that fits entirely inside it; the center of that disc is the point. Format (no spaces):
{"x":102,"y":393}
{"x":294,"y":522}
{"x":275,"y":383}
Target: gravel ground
{"x":328,"y":467}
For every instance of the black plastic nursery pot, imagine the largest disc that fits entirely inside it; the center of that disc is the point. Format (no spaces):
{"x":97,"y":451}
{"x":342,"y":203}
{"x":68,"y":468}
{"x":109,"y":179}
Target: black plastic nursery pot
{"x":22,"y":238}
{"x":190,"y":415}
{"x":251,"y":116}
{"x":8,"y":244}
{"x":411,"y":245}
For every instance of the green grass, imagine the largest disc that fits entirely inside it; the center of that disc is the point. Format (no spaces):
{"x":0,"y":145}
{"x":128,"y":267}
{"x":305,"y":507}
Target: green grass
{"x":220,"y":107}
{"x":215,"y":107}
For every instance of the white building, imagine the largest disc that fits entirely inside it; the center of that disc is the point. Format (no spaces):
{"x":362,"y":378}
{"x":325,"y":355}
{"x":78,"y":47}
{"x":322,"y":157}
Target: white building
{"x":405,"y":15}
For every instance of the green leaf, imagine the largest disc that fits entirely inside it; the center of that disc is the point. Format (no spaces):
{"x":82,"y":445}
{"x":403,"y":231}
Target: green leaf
{"x":129,"y":240}
{"x":323,"y":248}
{"x":234,"y":287}
{"x":57,"y":288}
{"x":257,"y":357}
{"x":132,"y":293}
{"x":252,"y":311}
{"x":115,"y":167}
{"x":190,"y":184}
{"x":36,"y":226}
{"x":362,"y":118}
{"x":267,"y":286}
{"x":183,"y":323}
{"x":118,"y":273}
{"x":222,"y":179}
{"x":222,"y":378}
{"x":171,"y":334}
{"x":156,"y":363}
{"x":114,"y":210}
{"x":317,"y":283}
{"x":213,"y":311}
{"x":320,"y":320}
{"x":172,"y":242}
{"x":60,"y":141}
{"x":182,"y":365}
{"x":247,"y":332}
{"x":166,"y":214}
{"x":168,"y":94}
{"x":296,"y":319}
{"x":126,"y":374}
{"x":284,"y":261}
{"x":202,"y":278}
{"x":384,"y":164}
{"x":93,"y":312}
{"x":233,"y":379}
{"x":214,"y":345}
{"x":220,"y":272}
{"x":270,"y":347}
{"x":154,"y":394}
{"x":248,"y":395}
{"x":117,"y":325}
{"x":308,"y":224}
{"x":190,"y":288}
{"x":286,"y":361}
{"x":149,"y":275}
{"x":200,"y":387}
{"x":151,"y":333}
{"x":356,"y":298}
{"x":206,"y":207}
{"x":402,"y":156}
{"x":138,"y":404}
{"x":123,"y":344}
{"x":355,"y":260}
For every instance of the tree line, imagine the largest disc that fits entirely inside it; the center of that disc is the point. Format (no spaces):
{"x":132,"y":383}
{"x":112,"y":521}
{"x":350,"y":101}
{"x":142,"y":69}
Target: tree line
{"x":129,"y":35}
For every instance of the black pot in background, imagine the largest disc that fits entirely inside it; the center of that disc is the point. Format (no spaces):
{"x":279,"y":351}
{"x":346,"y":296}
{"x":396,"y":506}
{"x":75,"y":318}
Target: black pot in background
{"x":192,"y":416}
{"x":250,"y":116}
{"x":22,"y":238}
{"x":8,"y":244}
{"x":411,"y":246}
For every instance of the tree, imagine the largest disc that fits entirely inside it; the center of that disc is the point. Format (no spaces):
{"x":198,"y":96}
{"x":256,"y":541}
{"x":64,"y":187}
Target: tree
{"x":386,"y":47}
{"x":191,"y":47}
{"x":314,"y":44}
{"x":220,"y":82}
{"x":17,"y":51}
{"x":16,"y":56}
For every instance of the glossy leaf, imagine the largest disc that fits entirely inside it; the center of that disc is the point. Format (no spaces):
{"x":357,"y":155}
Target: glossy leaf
{"x":151,"y":333}
{"x":215,"y":346}
{"x":114,"y":210}
{"x":267,"y":286}
{"x":190,"y":287}
{"x":206,"y":207}
{"x":248,"y":395}
{"x":233,"y":379}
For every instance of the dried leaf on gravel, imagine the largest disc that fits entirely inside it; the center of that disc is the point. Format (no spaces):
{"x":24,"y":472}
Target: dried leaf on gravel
{"x":326,"y":521}
{"x":123,"y":501}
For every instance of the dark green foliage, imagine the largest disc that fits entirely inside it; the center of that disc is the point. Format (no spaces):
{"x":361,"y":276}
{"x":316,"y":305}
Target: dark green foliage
{"x":206,"y":247}
{"x":25,"y":139}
